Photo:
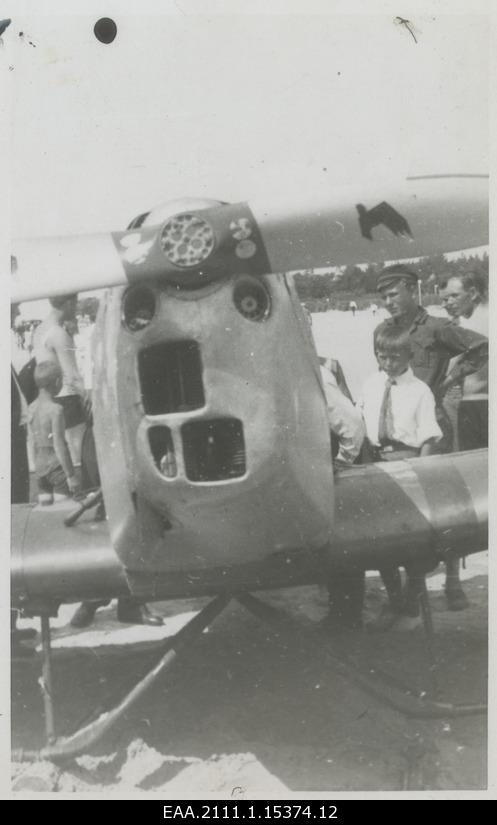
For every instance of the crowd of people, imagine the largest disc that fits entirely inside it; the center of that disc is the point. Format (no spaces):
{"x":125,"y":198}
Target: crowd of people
{"x":429,"y":395}
{"x":57,"y":426}
{"x":23,"y":332}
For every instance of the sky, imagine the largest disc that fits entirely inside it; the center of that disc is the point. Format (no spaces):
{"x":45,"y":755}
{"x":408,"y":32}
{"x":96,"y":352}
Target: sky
{"x":235,"y":106}
{"x":235,"y":101}
{"x":247,"y":105}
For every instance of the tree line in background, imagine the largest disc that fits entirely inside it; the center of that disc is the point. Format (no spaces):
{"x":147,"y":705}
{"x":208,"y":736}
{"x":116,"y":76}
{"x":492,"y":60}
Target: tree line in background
{"x":87,"y":306}
{"x":334,"y":289}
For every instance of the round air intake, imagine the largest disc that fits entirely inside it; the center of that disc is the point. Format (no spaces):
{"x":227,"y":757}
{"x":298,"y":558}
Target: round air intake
{"x":138,"y":308}
{"x":252,"y":299}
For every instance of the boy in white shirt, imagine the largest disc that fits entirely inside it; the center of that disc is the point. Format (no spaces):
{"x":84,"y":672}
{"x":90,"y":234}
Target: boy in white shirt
{"x":398,"y":408}
{"x":399,"y":414}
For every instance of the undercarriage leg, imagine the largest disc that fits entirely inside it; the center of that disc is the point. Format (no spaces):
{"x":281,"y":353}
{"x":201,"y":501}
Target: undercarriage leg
{"x":427,"y":616}
{"x":64,"y":748}
{"x":426,"y":612}
{"x":45,"y":680}
{"x":404,"y":701}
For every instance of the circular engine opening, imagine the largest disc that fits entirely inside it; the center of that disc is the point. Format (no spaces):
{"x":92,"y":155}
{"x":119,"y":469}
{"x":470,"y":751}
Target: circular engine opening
{"x":187,"y":240}
{"x":252,"y":299}
{"x":138,"y":308}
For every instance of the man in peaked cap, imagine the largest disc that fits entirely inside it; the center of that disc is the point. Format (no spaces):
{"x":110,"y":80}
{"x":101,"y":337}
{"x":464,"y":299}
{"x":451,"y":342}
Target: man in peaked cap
{"x":434,"y":342}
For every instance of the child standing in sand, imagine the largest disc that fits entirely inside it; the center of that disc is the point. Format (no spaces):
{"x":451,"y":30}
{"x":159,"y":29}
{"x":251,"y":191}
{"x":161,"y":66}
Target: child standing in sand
{"x":399,"y":413}
{"x":53,"y":465}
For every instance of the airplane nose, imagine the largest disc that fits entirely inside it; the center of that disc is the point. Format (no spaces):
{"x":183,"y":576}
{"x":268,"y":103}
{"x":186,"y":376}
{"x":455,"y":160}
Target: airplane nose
{"x":193,"y":249}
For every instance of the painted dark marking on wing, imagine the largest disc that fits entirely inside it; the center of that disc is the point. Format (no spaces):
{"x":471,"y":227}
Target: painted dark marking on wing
{"x":384,"y":214}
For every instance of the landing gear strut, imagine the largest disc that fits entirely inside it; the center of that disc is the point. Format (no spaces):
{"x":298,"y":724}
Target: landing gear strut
{"x":46,"y":680}
{"x":65,"y":748}
{"x":403,"y":701}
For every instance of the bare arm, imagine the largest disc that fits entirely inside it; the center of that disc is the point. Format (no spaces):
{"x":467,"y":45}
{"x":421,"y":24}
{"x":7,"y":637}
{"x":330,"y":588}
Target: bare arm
{"x":427,"y":448}
{"x":471,"y":346}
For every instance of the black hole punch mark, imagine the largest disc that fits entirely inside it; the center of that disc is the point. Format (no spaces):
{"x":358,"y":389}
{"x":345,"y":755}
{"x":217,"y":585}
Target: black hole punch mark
{"x":105,"y":30}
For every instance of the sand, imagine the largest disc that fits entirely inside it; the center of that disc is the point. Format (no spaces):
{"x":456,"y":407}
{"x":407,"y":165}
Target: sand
{"x":247,"y":712}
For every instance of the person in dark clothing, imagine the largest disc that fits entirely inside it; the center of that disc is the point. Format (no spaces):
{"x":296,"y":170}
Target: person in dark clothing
{"x":434,"y":342}
{"x":19,"y":480}
{"x":129,"y":609}
{"x":19,"y":474}
{"x":19,"y":468}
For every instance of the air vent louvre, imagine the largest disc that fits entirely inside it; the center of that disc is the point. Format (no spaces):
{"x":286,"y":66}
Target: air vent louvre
{"x":214,"y":450}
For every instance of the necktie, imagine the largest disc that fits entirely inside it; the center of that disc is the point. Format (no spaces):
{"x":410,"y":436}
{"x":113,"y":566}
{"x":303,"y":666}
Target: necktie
{"x":385,"y":423}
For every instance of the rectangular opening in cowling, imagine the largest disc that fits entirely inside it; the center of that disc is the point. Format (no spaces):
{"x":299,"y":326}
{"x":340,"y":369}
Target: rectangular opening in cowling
{"x":214,"y":450}
{"x":162,"y":448}
{"x":170,"y":376}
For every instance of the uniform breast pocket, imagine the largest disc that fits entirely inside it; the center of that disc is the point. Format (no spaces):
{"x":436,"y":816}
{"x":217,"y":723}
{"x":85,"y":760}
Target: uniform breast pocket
{"x":422,"y":357}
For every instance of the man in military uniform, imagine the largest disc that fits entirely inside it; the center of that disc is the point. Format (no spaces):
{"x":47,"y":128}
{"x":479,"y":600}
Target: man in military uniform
{"x":434,"y":342}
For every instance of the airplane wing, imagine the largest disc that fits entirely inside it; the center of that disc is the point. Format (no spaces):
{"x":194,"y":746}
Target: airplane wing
{"x":436,"y":504}
{"x":44,"y":267}
{"x":444,"y":213}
